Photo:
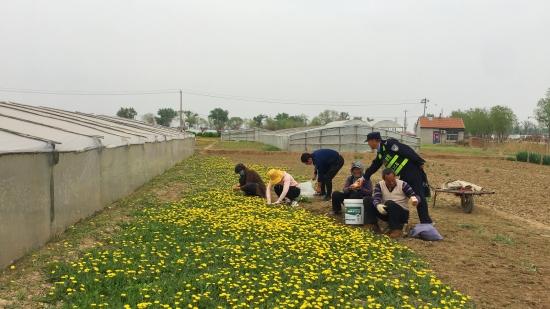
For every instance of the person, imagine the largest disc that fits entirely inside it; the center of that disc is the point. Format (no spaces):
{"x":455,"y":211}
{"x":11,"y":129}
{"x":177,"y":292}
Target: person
{"x":405,"y":163}
{"x":327,"y":164}
{"x":353,"y":188}
{"x":389,"y":203}
{"x":250,"y":181}
{"x":284,"y":186}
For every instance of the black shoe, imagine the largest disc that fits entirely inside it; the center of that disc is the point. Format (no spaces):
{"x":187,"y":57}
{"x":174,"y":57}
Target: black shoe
{"x":326,"y":199}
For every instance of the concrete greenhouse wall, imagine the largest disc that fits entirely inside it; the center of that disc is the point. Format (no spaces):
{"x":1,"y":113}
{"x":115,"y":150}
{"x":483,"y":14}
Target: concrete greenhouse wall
{"x":39,"y":200}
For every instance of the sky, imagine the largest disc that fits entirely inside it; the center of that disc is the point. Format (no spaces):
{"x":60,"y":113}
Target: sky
{"x":368,"y":58}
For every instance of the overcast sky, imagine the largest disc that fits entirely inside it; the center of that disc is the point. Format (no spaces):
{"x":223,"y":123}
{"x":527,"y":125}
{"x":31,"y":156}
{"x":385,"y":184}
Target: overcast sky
{"x":458,"y":54}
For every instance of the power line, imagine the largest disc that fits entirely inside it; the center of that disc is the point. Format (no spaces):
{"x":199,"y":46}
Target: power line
{"x":360,"y":103}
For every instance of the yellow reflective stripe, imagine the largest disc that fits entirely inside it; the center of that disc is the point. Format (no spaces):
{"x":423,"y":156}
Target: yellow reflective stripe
{"x":395,"y":157}
{"x":379,"y":156}
{"x":400,"y":167}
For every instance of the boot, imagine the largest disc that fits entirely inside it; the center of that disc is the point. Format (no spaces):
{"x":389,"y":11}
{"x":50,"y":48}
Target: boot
{"x":394,"y":234}
{"x":373,"y":228}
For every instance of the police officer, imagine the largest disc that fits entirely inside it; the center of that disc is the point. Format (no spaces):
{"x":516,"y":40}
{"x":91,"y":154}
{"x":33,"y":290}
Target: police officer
{"x":405,"y":163}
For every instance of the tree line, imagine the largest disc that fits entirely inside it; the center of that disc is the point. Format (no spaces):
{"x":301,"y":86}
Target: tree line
{"x":498,"y":121}
{"x":219,"y":119}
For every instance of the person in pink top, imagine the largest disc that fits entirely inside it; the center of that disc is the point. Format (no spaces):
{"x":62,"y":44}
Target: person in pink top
{"x":285,"y":187}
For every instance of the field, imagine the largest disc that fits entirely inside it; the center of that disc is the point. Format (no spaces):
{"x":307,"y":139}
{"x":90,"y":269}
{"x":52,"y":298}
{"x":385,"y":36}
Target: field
{"x":184,"y":238}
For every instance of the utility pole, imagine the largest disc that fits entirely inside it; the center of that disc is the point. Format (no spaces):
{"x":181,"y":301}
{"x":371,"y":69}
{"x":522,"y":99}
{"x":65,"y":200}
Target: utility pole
{"x":181,"y":111}
{"x":424,"y":101}
{"x":405,"y":123}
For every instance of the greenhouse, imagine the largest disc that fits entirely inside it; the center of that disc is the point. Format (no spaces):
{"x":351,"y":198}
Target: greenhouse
{"x":59,"y":167}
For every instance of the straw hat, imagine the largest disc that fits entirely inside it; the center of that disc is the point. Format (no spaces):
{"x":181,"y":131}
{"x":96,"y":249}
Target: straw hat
{"x":275,"y":176}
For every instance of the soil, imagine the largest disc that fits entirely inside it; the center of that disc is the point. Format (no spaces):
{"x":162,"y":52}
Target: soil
{"x":498,"y":254}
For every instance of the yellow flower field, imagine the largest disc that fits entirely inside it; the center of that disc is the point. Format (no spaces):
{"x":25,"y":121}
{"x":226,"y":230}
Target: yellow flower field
{"x":216,"y":248}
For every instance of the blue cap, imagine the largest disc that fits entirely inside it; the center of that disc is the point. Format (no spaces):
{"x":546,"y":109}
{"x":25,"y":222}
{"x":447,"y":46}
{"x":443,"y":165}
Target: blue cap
{"x":373,"y":135}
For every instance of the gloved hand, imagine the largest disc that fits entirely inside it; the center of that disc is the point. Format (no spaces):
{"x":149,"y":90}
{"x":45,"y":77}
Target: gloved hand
{"x":414,"y":201}
{"x":381,"y":209}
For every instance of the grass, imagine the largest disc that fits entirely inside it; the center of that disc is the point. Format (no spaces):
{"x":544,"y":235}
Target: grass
{"x":245,"y":145}
{"x":460,"y":150}
{"x":503,"y":239}
{"x":214,"y":248}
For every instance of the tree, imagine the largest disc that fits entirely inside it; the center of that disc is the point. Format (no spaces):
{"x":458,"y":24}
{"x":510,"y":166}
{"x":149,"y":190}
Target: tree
{"x":258,"y":120}
{"x":235,"y":123}
{"x":476,"y":121}
{"x":542,"y":112}
{"x":165,"y":116}
{"x":503,"y":120}
{"x":127,"y":112}
{"x":149,"y":118}
{"x":219,"y":118}
{"x":357,"y":118}
{"x":327,"y":116}
{"x":191,"y":118}
{"x":343,"y":116}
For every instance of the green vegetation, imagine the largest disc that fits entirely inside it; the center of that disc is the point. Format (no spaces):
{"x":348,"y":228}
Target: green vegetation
{"x":215,"y":248}
{"x":546,"y":160}
{"x":245,"y":145}
{"x":208,"y":134}
{"x":535,"y":158}
{"x":522,"y":156}
{"x":503,"y":239}
{"x":454,"y":149}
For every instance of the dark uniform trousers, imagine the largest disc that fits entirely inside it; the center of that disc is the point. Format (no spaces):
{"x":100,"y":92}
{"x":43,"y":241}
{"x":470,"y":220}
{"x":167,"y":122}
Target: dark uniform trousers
{"x":414,"y":177}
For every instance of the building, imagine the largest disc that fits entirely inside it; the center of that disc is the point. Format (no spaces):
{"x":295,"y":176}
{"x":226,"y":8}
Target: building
{"x":345,"y":136}
{"x":58,"y":167}
{"x":439,"y":130}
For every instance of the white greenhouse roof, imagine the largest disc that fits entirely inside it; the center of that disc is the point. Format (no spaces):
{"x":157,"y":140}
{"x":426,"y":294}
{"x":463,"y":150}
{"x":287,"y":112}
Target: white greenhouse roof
{"x":25,"y":128}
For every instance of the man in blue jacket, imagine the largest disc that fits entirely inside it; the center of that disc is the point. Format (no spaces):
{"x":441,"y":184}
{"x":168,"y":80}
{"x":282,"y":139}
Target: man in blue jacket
{"x":327,"y":164}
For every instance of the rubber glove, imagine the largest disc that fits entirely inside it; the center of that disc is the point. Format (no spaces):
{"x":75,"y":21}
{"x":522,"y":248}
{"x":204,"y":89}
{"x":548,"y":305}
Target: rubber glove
{"x":381,"y":209}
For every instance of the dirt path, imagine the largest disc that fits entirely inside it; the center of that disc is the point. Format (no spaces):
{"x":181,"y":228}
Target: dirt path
{"x":499,"y":253}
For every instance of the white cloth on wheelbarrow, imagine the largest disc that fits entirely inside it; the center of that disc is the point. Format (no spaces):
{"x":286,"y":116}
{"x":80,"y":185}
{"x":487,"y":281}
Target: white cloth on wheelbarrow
{"x":461,"y":185}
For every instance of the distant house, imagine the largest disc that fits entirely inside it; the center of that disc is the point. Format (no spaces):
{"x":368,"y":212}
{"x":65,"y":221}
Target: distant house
{"x":434,"y":130}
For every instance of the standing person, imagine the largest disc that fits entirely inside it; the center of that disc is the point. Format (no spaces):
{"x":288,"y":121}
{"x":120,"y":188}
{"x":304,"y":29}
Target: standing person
{"x":284,"y":186}
{"x":327,"y":163}
{"x":250,"y":181}
{"x":405,"y":163}
{"x":354,"y":188}
{"x":389,"y":203}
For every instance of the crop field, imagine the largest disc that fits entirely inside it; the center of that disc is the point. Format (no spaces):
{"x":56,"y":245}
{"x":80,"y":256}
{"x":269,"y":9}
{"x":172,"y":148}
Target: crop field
{"x":186,"y":240}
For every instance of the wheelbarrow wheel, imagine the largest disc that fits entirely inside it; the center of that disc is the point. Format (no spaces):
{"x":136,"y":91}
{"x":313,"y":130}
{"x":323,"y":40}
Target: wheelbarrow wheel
{"x":467,"y":201}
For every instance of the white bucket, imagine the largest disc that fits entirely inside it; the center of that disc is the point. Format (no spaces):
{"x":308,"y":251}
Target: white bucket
{"x":354,"y":210}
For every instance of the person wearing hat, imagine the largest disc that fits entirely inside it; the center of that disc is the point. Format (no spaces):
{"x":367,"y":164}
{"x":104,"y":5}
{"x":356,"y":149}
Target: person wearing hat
{"x":284,"y":186}
{"x":250,"y":181}
{"x":353,"y":188}
{"x":405,"y":163}
{"x":327,"y":164}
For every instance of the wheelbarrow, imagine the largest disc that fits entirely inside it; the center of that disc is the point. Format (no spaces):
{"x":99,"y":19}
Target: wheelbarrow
{"x":466,"y":197}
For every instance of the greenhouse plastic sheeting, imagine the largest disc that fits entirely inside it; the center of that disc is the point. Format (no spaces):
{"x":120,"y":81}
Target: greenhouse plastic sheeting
{"x":32,"y":129}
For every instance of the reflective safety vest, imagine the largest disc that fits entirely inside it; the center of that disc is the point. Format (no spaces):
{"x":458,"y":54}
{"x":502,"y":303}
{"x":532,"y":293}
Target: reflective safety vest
{"x":393,"y":162}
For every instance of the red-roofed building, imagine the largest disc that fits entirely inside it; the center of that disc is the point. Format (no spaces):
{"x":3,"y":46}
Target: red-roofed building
{"x":439,"y":130}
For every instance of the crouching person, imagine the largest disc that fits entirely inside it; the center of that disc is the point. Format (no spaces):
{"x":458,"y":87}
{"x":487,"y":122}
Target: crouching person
{"x":285,"y":187}
{"x":250,"y":181}
{"x":389,"y":203}
{"x":354,"y":188}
